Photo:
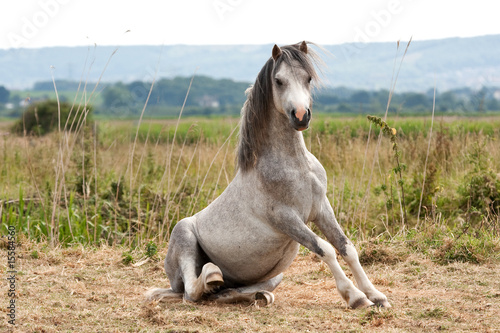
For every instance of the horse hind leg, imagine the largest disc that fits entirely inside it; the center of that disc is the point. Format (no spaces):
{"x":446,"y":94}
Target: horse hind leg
{"x":261,"y":292}
{"x":206,"y":283}
{"x":161,"y":294}
{"x":188,"y":265}
{"x":190,"y":274}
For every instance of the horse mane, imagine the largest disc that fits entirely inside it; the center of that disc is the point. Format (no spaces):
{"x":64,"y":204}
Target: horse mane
{"x":256,"y":112}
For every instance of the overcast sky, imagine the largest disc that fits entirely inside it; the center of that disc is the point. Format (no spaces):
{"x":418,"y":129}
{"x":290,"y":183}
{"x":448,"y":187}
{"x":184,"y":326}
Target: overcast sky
{"x":40,"y":23}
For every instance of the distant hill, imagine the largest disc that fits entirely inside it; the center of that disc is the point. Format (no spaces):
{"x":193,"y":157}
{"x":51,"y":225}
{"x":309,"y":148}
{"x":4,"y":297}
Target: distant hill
{"x":453,"y":63}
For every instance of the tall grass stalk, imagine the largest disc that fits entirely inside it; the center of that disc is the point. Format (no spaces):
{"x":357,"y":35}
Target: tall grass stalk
{"x":66,"y":143}
{"x":399,"y":168}
{"x":210,"y":167}
{"x":361,"y":177}
{"x":427,"y":156}
{"x":394,"y":80}
{"x":132,"y":154}
{"x":166,"y":220}
{"x":96,"y":191}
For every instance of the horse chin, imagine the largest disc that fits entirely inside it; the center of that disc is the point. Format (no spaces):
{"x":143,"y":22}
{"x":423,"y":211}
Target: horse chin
{"x":301,"y":128}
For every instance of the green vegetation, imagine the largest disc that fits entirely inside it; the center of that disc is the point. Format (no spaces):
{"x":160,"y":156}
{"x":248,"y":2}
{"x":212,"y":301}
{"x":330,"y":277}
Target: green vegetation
{"x":480,"y":189}
{"x":127,"y":258}
{"x":151,"y":249}
{"x":120,"y":182}
{"x":399,"y":167}
{"x":46,"y":116}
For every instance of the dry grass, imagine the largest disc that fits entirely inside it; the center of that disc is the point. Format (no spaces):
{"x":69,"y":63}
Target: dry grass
{"x":90,"y":290}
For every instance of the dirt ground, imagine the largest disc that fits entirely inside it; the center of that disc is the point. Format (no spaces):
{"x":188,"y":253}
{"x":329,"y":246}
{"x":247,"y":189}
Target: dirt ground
{"x":91,"y":290}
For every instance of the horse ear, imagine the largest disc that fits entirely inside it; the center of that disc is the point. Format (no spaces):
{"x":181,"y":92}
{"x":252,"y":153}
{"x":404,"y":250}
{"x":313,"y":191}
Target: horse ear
{"x":276,"y":52}
{"x":303,"y":47}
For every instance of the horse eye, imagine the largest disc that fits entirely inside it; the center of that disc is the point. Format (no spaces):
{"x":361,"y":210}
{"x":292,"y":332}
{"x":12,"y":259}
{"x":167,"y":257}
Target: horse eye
{"x":279,"y":82}
{"x":309,"y":79}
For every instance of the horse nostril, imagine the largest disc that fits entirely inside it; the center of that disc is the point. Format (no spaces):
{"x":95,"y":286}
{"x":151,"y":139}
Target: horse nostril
{"x":308,"y":113}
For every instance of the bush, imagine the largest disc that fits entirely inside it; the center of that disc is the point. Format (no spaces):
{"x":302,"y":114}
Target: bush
{"x":43,"y":117}
{"x":480,"y":190}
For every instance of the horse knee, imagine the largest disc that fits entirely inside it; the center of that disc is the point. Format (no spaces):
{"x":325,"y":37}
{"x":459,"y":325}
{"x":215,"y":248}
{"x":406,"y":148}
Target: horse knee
{"x":351,"y":255}
{"x":183,"y":231}
{"x":183,"y":261}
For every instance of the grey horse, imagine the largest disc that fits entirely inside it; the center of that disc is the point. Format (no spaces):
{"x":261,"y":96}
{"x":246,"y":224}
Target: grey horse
{"x":237,"y":248}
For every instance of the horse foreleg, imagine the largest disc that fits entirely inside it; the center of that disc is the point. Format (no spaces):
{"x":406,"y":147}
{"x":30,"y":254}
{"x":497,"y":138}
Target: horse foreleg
{"x":352,"y":295}
{"x":290,"y":223}
{"x":327,"y":223}
{"x":364,"y":284}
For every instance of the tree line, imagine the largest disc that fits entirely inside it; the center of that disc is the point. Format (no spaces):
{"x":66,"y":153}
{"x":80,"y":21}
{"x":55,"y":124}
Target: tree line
{"x":463,"y":100}
{"x":209,"y":96}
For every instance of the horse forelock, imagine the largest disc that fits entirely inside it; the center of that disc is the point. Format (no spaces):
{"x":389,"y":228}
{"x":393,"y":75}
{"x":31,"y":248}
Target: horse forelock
{"x":256,"y":112}
{"x":292,"y":56}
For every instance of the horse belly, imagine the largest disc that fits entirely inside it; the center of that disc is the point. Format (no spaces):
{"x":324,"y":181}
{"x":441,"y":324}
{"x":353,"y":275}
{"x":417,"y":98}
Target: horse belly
{"x":234,"y":233}
{"x":247,"y":255}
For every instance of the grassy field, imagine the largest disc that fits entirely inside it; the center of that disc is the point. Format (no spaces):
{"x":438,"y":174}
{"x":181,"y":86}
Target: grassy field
{"x":127,"y":183}
{"x":86,"y":207}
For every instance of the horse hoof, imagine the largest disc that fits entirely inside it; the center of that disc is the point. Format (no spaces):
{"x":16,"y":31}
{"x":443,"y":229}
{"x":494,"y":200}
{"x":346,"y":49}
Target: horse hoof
{"x":213,"y":275}
{"x":361,"y":303}
{"x":265,"y":296}
{"x":383,"y":303}
{"x":215,"y":280}
{"x":152,"y":295}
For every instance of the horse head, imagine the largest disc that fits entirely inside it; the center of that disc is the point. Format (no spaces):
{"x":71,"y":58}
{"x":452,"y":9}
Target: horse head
{"x":282,"y":88}
{"x":291,"y":84}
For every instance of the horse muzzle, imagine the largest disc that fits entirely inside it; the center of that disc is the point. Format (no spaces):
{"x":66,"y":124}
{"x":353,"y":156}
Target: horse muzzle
{"x":300,"y":119}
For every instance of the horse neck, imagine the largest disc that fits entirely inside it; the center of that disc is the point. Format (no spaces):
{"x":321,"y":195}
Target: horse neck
{"x":283,"y":138}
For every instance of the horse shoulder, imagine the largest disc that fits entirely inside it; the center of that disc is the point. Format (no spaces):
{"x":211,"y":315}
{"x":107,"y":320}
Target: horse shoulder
{"x":317,"y":170}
